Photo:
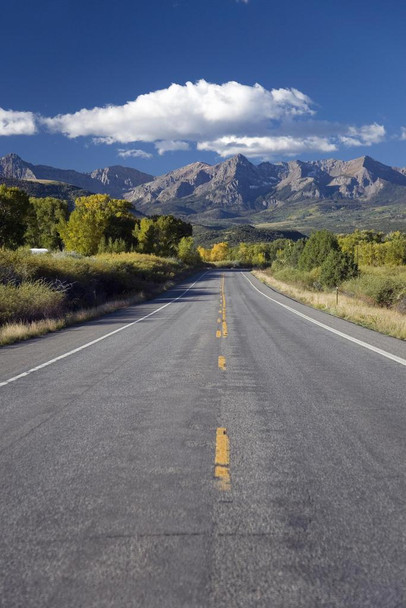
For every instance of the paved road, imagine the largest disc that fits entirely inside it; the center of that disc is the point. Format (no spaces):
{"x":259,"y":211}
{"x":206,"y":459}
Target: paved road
{"x":107,"y":467}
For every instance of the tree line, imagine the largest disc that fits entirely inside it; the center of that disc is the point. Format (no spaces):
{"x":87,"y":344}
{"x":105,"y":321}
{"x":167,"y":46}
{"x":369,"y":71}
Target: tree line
{"x":336,"y":257}
{"x":101,"y":224}
{"x":98,"y":224}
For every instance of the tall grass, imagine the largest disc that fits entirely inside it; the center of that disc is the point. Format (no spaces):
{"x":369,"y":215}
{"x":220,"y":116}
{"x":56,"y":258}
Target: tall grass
{"x":383,"y":286}
{"x":352,"y":308}
{"x":17,"y":331}
{"x":42,"y":293}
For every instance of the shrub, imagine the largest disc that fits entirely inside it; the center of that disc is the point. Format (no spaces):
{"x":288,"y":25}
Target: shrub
{"x":336,"y":268}
{"x":307,"y":280}
{"x":379,"y":287}
{"x":317,"y":249}
{"x":29,"y":302}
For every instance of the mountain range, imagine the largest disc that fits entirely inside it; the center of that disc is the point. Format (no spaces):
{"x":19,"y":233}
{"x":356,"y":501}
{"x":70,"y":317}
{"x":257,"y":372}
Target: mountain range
{"x":238,"y":186}
{"x":293,"y":194}
{"x":115,"y":180}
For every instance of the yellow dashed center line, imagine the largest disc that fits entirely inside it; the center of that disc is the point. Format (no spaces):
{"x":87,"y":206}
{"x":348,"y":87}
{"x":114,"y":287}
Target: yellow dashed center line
{"x":222,"y":310}
{"x":222,"y":460}
{"x":222,"y":362}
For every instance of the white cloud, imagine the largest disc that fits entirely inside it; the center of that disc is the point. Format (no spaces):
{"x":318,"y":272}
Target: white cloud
{"x":186,"y":112}
{"x":171,"y":146}
{"x":133,"y":153}
{"x":266,"y":146}
{"x":403,"y":133}
{"x":364,"y":136}
{"x":225,"y":118}
{"x":17,"y":123}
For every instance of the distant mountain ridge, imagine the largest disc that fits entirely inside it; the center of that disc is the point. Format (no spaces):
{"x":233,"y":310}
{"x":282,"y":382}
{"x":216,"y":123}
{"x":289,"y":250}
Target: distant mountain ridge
{"x":295,"y":195}
{"x":239,"y":184}
{"x":115,"y":181}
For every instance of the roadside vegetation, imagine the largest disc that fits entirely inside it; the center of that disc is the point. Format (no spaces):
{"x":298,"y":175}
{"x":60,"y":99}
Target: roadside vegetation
{"x":360,"y":277}
{"x":40,"y":293}
{"x":101,"y":257}
{"x":365,"y":269}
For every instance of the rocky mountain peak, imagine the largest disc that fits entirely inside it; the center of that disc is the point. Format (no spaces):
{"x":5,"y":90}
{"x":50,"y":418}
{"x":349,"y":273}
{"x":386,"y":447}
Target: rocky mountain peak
{"x":12,"y":166}
{"x":238,"y":160}
{"x":12,"y":156}
{"x":117,"y":179}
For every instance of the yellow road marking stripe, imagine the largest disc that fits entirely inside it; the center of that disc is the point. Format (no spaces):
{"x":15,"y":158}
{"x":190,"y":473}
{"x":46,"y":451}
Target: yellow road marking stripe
{"x":222,"y":475}
{"x":222,"y":459}
{"x":222,"y":319}
{"x":222,"y":362}
{"x":222,"y":447}
{"x":223,"y":472}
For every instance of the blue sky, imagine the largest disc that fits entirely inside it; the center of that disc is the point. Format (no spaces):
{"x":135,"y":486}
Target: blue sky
{"x":156,"y":84}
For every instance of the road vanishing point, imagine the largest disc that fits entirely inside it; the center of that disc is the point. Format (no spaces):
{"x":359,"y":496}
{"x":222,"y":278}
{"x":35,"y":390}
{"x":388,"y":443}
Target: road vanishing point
{"x":219,"y":446}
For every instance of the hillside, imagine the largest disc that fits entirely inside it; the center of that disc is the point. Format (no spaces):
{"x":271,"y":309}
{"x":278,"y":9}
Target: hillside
{"x":234,"y":235}
{"x":115,"y":180}
{"x":42,"y":189}
{"x":297,"y":194}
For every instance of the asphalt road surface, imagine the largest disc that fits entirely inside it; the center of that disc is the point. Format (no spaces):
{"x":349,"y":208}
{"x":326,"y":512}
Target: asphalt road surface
{"x":209,"y":448}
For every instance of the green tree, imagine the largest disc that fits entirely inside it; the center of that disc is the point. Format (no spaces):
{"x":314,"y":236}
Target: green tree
{"x":111,"y":245}
{"x":337,"y":267}
{"x":96,"y":217}
{"x":317,"y":248}
{"x":187,"y":251}
{"x":395,"y":254}
{"x":294,"y":252}
{"x":43,"y":222}
{"x":14,"y":209}
{"x":146,"y":235}
{"x":161,"y":234}
{"x":243,"y":253}
{"x":170,"y":231}
{"x":121,"y":222}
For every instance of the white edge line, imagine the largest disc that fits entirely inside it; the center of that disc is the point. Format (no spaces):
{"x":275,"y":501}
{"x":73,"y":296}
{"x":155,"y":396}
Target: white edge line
{"x":116,"y":331}
{"x":381,"y":352}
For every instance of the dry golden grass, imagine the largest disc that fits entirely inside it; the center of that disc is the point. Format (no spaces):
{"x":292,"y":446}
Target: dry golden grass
{"x":384,"y":320}
{"x":17,"y":332}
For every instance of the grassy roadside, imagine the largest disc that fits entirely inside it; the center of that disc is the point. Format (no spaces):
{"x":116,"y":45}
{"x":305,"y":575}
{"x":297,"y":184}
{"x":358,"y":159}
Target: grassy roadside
{"x":42,"y":294}
{"x":10,"y":333}
{"x":19,"y":331}
{"x":354,"y":309}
